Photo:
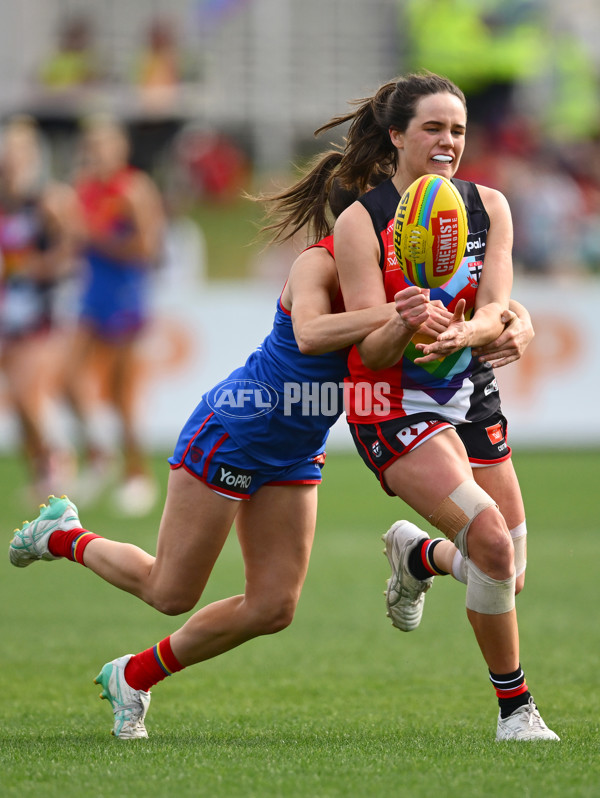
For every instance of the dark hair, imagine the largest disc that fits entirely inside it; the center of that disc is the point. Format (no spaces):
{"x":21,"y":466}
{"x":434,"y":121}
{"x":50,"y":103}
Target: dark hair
{"x":304,"y":204}
{"x":367,"y":158}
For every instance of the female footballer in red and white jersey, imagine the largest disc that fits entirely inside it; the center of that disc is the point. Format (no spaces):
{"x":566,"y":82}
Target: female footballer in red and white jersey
{"x":414,"y":126}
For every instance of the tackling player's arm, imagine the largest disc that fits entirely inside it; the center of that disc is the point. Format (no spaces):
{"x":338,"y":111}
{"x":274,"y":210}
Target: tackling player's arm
{"x":357,"y":259}
{"x":513,"y":341}
{"x":310,"y":291}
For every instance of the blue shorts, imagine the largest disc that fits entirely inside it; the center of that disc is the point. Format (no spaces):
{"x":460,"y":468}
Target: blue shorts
{"x":115,"y":299}
{"x":206,"y":451}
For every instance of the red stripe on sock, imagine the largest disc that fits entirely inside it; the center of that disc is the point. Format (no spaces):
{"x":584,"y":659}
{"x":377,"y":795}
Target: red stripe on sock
{"x":425,"y":559}
{"x":147,"y":668}
{"x":70,"y":544}
{"x":522,"y":688}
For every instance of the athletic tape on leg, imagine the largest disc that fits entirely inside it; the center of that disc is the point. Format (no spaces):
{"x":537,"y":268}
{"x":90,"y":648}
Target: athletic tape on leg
{"x":519,"y":539}
{"x":454,"y":515}
{"x":486,"y":595}
{"x":459,"y":568}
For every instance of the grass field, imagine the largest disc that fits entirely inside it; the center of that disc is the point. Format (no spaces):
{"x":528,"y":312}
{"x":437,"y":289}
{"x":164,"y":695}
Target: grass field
{"x":339,"y":704}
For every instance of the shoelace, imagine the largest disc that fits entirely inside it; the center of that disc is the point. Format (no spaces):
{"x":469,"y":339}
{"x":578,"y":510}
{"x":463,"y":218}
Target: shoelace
{"x":535,"y":719}
{"x":132,"y":707}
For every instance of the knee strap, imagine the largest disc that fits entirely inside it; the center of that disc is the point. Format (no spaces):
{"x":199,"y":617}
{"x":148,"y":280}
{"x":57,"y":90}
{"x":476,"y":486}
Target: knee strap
{"x":519,"y":539}
{"x":486,"y":595}
{"x":459,"y":568}
{"x":453,"y":516}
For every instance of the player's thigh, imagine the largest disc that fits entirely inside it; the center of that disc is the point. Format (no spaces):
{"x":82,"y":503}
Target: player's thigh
{"x":193,"y":529}
{"x":276,"y":530}
{"x":21,"y":361}
{"x":501,"y":483}
{"x":425,"y":476}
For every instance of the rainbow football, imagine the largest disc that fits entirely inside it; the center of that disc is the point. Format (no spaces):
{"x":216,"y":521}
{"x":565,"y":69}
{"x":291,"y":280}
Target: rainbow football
{"x":430,"y":231}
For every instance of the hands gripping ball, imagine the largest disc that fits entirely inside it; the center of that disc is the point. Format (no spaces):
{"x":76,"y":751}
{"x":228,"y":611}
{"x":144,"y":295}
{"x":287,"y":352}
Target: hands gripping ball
{"x":430,"y":231}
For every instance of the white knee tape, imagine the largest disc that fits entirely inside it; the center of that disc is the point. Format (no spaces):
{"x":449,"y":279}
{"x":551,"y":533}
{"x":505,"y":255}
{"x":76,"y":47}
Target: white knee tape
{"x":454,"y":515}
{"x":459,"y":568}
{"x":486,"y":595}
{"x":519,"y":539}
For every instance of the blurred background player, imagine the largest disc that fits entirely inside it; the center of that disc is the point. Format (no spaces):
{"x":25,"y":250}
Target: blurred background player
{"x":124,"y":229}
{"x":39,"y":231}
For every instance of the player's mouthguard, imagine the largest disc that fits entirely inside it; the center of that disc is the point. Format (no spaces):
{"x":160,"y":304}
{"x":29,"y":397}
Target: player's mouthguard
{"x":443,"y":158}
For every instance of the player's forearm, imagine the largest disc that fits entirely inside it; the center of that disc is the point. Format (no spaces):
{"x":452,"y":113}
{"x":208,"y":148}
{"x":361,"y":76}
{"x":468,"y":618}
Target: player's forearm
{"x":385,"y":346}
{"x":333,"y":331}
{"x":486,"y":324}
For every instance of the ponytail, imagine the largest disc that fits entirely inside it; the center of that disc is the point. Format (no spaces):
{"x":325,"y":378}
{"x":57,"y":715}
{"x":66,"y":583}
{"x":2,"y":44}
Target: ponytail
{"x":305,"y":204}
{"x":369,"y":155}
{"x":367,"y":158}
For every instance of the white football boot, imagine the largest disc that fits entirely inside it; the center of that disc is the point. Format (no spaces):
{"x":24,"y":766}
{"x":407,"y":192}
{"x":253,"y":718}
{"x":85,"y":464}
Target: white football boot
{"x":129,"y":705}
{"x":405,"y":595}
{"x":525,"y":723}
{"x":30,"y":543}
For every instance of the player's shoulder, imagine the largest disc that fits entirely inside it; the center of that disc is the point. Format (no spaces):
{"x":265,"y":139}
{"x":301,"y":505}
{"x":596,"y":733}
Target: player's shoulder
{"x":139,"y":180}
{"x":492,"y":198}
{"x":351,"y":220}
{"x":313,"y":265}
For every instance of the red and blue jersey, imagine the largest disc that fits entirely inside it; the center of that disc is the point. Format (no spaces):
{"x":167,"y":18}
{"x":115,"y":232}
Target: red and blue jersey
{"x":116,"y":293}
{"x":280,"y":404}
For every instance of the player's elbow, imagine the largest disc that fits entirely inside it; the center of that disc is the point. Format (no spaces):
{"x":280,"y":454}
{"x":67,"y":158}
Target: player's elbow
{"x":376,"y":361}
{"x":309,"y":344}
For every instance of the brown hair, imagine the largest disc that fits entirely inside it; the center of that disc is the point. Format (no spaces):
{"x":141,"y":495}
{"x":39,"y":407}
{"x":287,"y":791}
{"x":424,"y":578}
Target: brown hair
{"x":367,"y":158}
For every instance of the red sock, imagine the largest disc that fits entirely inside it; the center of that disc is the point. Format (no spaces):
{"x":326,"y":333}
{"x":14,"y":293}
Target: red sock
{"x":151,"y":666}
{"x":70,"y":544}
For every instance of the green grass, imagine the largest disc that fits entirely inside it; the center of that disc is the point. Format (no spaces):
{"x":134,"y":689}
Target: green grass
{"x":339,"y":704}
{"x":230,"y":233}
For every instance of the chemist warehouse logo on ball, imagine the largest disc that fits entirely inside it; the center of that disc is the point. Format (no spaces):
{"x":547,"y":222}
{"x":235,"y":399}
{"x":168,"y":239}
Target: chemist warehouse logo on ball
{"x":244,"y":399}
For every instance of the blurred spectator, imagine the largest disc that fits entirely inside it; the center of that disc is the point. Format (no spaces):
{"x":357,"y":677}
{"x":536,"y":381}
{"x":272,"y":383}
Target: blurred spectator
{"x":549,"y":212}
{"x":124,"y":237}
{"x":39,"y":230}
{"x":207,"y":165}
{"x":74,"y":63}
{"x":481,"y":162}
{"x":158,"y":69}
{"x":553,"y":190}
{"x":159,"y":63}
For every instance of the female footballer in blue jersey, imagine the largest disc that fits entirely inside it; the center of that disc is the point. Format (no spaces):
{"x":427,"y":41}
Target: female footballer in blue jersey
{"x":248,"y":453}
{"x":242,"y":461}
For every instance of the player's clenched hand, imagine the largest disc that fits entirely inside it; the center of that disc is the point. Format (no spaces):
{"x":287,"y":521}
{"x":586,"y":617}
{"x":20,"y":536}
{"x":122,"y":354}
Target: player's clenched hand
{"x":413,"y":306}
{"x":510,"y":344}
{"x":455,"y":337}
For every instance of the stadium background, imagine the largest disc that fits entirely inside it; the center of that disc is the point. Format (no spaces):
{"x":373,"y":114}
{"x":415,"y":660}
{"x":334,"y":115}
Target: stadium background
{"x":254,"y":79}
{"x":339,"y":705}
